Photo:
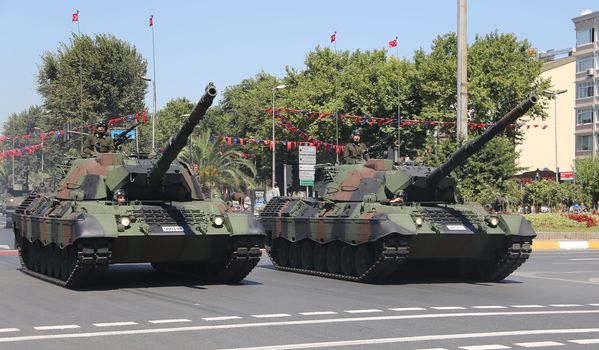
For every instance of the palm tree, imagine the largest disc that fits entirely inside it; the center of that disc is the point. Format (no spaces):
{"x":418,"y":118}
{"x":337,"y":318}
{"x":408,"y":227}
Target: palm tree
{"x":219,"y":166}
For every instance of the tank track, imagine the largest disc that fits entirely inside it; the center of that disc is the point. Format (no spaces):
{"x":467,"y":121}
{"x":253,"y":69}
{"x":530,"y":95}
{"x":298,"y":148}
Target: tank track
{"x":242,"y":262}
{"x":390,"y":259}
{"x":89,"y":258}
{"x":239,"y":264}
{"x":517,"y":251}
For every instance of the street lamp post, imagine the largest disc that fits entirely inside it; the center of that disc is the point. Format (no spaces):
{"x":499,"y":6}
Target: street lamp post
{"x":42,"y":137}
{"x":274,"y":89}
{"x":555,"y":93}
{"x":153,"y":114}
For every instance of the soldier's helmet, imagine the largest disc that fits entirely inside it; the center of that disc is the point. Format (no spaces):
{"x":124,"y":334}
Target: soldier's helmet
{"x":120,"y":195}
{"x":356,"y":131}
{"x":102,"y":122}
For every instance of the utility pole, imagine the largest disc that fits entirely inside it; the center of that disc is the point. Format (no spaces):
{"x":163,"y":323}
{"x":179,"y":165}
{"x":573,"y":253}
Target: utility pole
{"x":462,"y":86}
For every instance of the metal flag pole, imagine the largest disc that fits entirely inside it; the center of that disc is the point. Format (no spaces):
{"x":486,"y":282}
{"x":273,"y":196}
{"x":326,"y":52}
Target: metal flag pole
{"x":80,"y":80}
{"x":398,"y":102}
{"x":153,"y":87}
{"x":336,"y":112}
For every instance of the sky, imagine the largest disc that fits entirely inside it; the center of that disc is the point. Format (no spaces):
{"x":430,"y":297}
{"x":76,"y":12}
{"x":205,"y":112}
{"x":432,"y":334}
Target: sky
{"x":227,"y":41}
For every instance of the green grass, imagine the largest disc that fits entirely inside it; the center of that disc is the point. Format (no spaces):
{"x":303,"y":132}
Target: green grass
{"x":552,"y":222}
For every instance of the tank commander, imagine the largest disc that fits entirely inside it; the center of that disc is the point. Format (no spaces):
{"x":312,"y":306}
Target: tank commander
{"x":355,"y":151}
{"x":100,"y":141}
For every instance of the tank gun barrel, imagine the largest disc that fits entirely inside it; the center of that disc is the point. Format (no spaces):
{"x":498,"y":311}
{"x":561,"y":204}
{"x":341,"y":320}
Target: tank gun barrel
{"x":179,"y":140}
{"x":466,"y":151}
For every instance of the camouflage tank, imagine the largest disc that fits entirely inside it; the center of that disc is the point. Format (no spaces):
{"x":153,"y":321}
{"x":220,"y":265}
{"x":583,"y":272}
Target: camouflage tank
{"x":377,"y":220}
{"x":15,"y":194}
{"x":113,"y":209}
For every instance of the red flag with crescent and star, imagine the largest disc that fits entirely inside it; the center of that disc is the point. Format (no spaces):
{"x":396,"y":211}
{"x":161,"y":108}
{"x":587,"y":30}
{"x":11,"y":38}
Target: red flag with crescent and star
{"x":152,"y":21}
{"x":334,"y":37}
{"x":75,"y":17}
{"x":393,"y":43}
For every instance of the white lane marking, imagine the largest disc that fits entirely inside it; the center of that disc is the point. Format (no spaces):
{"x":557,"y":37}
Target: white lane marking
{"x":489,"y":307}
{"x":527,"y":306}
{"x":593,"y":304}
{"x":585,"y":341}
{"x":347,"y":343}
{"x":6,"y":330}
{"x":573,"y":244}
{"x":170,"y":321}
{"x":64,"y":326}
{"x":565,"y":305}
{"x":528,"y":275}
{"x":4,"y":246}
{"x":407,"y":309}
{"x":583,"y":259}
{"x":221,"y":318}
{"x":317,"y":313}
{"x":338,"y":320}
{"x":364,"y":311}
{"x":485,"y":347}
{"x":538,"y":344}
{"x":115,"y":324}
{"x":448,"y":308}
{"x":271,"y":315}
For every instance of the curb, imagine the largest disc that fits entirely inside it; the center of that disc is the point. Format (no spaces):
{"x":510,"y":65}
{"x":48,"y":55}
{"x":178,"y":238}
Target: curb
{"x":564,"y":244}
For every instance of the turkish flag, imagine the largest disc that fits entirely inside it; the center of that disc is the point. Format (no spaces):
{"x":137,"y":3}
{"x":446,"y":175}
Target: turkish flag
{"x":393,"y":43}
{"x":334,"y":37}
{"x":75,"y":17}
{"x":151,"y":20}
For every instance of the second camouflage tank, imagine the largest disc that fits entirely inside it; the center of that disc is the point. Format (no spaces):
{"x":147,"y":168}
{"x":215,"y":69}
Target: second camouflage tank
{"x":374,"y":220}
{"x":113,"y":208}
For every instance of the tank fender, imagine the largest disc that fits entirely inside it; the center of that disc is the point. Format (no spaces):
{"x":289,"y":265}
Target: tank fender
{"x":88,"y":226}
{"x":243,"y":224}
{"x":516,"y":225}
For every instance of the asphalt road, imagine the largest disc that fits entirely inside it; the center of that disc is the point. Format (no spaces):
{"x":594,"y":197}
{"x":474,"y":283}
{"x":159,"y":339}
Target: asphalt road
{"x":551,"y":302}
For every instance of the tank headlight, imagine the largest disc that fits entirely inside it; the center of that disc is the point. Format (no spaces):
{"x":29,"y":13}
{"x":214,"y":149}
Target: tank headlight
{"x":218,"y":221}
{"x":418,"y":220}
{"x":12,"y":199}
{"x":493,"y":221}
{"x":125,"y":221}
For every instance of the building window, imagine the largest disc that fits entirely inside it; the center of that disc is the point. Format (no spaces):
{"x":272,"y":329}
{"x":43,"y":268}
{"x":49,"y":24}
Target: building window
{"x":584,"y":63}
{"x":585,"y":36}
{"x":584,"y":90}
{"x":584,"y":143}
{"x":584,"y":116}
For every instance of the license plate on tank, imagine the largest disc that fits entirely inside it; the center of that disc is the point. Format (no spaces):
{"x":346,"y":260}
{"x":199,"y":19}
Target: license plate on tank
{"x":456,"y":227}
{"x":172,"y":229}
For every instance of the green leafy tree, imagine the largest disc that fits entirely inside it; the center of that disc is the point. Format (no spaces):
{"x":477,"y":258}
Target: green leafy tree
{"x":587,"y":175}
{"x":168,"y":122}
{"x":218,"y":166}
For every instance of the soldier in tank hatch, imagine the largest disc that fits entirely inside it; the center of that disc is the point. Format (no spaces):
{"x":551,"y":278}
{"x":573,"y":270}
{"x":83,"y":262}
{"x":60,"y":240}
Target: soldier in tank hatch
{"x":355,"y":151}
{"x":100,"y":141}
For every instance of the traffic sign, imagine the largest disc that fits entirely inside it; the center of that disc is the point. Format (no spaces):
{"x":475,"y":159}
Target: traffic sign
{"x":306,"y":182}
{"x":307,"y":150}
{"x":307,"y":159}
{"x":306,"y":167}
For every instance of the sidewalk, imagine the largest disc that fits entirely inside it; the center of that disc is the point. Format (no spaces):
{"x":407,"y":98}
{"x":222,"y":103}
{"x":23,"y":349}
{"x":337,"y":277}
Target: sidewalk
{"x":565,"y":241}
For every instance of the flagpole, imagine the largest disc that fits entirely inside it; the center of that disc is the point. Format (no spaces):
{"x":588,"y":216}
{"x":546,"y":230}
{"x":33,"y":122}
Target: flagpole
{"x":398,"y":103}
{"x":336,"y":114}
{"x":80,"y":80}
{"x":154,"y":90}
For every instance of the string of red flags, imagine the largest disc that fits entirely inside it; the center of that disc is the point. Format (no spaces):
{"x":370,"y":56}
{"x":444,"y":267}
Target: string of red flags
{"x":369,"y":120}
{"x":140,"y":117}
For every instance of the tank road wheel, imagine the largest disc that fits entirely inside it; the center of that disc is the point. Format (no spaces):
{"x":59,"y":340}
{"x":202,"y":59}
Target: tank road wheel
{"x":333,"y":257}
{"x":307,"y":256}
{"x":364,"y":258}
{"x":319,"y":257}
{"x":347,"y":260}
{"x":295,"y":254}
{"x":281,"y":248}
